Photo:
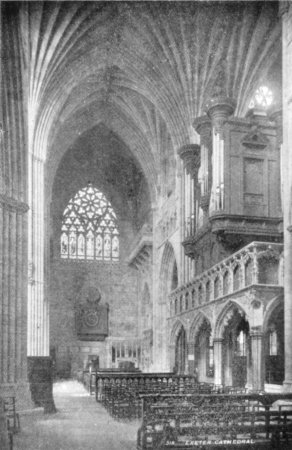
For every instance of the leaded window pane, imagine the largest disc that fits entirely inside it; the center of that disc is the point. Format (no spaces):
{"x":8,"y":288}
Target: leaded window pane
{"x":89,"y":227}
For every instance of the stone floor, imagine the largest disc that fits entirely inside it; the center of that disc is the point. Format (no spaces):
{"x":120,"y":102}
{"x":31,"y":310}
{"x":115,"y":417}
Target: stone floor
{"x":79,"y":424}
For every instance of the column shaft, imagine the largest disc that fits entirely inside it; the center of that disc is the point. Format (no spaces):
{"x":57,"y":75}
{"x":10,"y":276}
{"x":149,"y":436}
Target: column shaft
{"x":38,"y":339}
{"x":218,"y":354}
{"x":256,"y":376}
{"x":287,"y":186}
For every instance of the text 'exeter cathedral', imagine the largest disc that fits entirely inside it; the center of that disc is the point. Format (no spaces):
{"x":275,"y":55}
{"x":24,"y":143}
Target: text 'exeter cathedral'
{"x":145,"y":190}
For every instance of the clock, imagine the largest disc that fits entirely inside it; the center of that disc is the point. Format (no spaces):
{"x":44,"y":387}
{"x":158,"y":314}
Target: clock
{"x":91,"y":318}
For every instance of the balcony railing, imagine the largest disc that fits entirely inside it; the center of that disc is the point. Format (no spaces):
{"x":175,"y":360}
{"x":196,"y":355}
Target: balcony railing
{"x":258,"y":263}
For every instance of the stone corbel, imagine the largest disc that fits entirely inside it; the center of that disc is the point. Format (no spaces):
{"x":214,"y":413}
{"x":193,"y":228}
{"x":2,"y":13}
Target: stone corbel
{"x":219,"y":109}
{"x":190,"y":154}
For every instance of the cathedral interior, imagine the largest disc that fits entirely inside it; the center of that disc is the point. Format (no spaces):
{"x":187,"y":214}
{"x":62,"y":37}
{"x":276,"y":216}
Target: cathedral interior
{"x":145,"y":190}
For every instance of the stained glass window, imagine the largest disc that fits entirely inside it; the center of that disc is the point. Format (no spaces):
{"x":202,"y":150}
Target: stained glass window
{"x":89,"y":227}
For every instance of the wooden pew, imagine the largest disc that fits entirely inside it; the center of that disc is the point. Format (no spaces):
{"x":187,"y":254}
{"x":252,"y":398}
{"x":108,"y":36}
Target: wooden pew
{"x":213,"y":422}
{"x":120,"y":392}
{"x":6,"y":435}
{"x":12,"y":415}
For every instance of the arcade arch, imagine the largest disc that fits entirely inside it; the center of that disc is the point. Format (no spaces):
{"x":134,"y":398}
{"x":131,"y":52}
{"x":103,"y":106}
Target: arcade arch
{"x":232,"y":331}
{"x":273,"y":330}
{"x":167,"y":280}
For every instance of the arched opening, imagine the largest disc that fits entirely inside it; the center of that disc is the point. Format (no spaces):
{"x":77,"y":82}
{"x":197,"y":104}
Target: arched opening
{"x":204,"y":355}
{"x":168,"y":282}
{"x":180,"y":352}
{"x":174,"y":279}
{"x":100,"y":202}
{"x":226,"y":282}
{"x":89,"y":227}
{"x":236,"y":350}
{"x":274,"y":346}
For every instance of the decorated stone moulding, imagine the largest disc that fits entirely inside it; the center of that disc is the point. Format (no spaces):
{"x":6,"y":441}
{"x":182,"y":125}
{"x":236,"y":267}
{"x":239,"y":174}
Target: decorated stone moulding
{"x":256,"y":331}
{"x":219,"y":109}
{"x":255,"y":139}
{"x":191,"y":156}
{"x":257,"y":111}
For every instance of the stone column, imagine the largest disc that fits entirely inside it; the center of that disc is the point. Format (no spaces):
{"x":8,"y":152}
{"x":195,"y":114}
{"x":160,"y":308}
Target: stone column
{"x":39,"y":361}
{"x":277,"y":117}
{"x":218,"y":354}
{"x":286,"y":12}
{"x":255,"y":373}
{"x":171,"y":349}
{"x":13,"y":212}
{"x":13,"y":313}
{"x":38,"y":338}
{"x":218,"y":109}
{"x":190,"y":155}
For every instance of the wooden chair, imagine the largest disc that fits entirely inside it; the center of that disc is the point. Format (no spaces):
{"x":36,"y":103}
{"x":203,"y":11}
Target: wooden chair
{"x":13,"y":421}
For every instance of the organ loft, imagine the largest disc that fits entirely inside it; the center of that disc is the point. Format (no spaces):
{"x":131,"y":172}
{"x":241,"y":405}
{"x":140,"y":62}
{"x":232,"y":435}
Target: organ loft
{"x":145,"y":192}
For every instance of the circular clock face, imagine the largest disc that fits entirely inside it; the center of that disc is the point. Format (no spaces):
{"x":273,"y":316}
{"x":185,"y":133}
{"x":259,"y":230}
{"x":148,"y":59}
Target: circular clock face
{"x":91,"y":318}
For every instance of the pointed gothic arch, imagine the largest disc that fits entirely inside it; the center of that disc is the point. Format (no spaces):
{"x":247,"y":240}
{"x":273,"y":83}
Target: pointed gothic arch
{"x":273,"y":341}
{"x":232,"y":328}
{"x":166,"y":273}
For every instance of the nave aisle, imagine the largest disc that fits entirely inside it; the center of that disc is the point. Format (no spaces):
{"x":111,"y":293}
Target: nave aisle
{"x":80,"y":424}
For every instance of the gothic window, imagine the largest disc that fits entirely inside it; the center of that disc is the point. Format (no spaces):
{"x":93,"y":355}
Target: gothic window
{"x":241,"y":343}
{"x":236,"y":278}
{"x":263,"y":97}
{"x":89,"y":227}
{"x":209,"y":358}
{"x":273,"y":342}
{"x":193,"y":298}
{"x":216,"y":287}
{"x":187,"y":301}
{"x":175,"y":306}
{"x":208,"y":291}
{"x":226,"y":283}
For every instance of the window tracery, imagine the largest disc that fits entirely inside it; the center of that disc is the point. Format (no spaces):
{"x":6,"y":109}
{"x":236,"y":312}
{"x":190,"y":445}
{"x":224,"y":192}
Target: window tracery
{"x":89,"y":227}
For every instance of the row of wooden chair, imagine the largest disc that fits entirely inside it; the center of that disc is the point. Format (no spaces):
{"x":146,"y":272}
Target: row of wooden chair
{"x":124,"y":401}
{"x":232,"y":421}
{"x":11,"y":417}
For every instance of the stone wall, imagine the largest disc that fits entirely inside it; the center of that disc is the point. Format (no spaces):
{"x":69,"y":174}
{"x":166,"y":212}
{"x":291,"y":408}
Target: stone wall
{"x":118,"y":287}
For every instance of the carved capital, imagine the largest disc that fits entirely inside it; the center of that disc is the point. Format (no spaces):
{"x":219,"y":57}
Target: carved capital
{"x":203,"y":126}
{"x":217,"y":341}
{"x":256,"y":332}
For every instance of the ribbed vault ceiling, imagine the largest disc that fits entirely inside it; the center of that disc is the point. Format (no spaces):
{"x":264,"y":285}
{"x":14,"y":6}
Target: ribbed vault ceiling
{"x":140,"y":68}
